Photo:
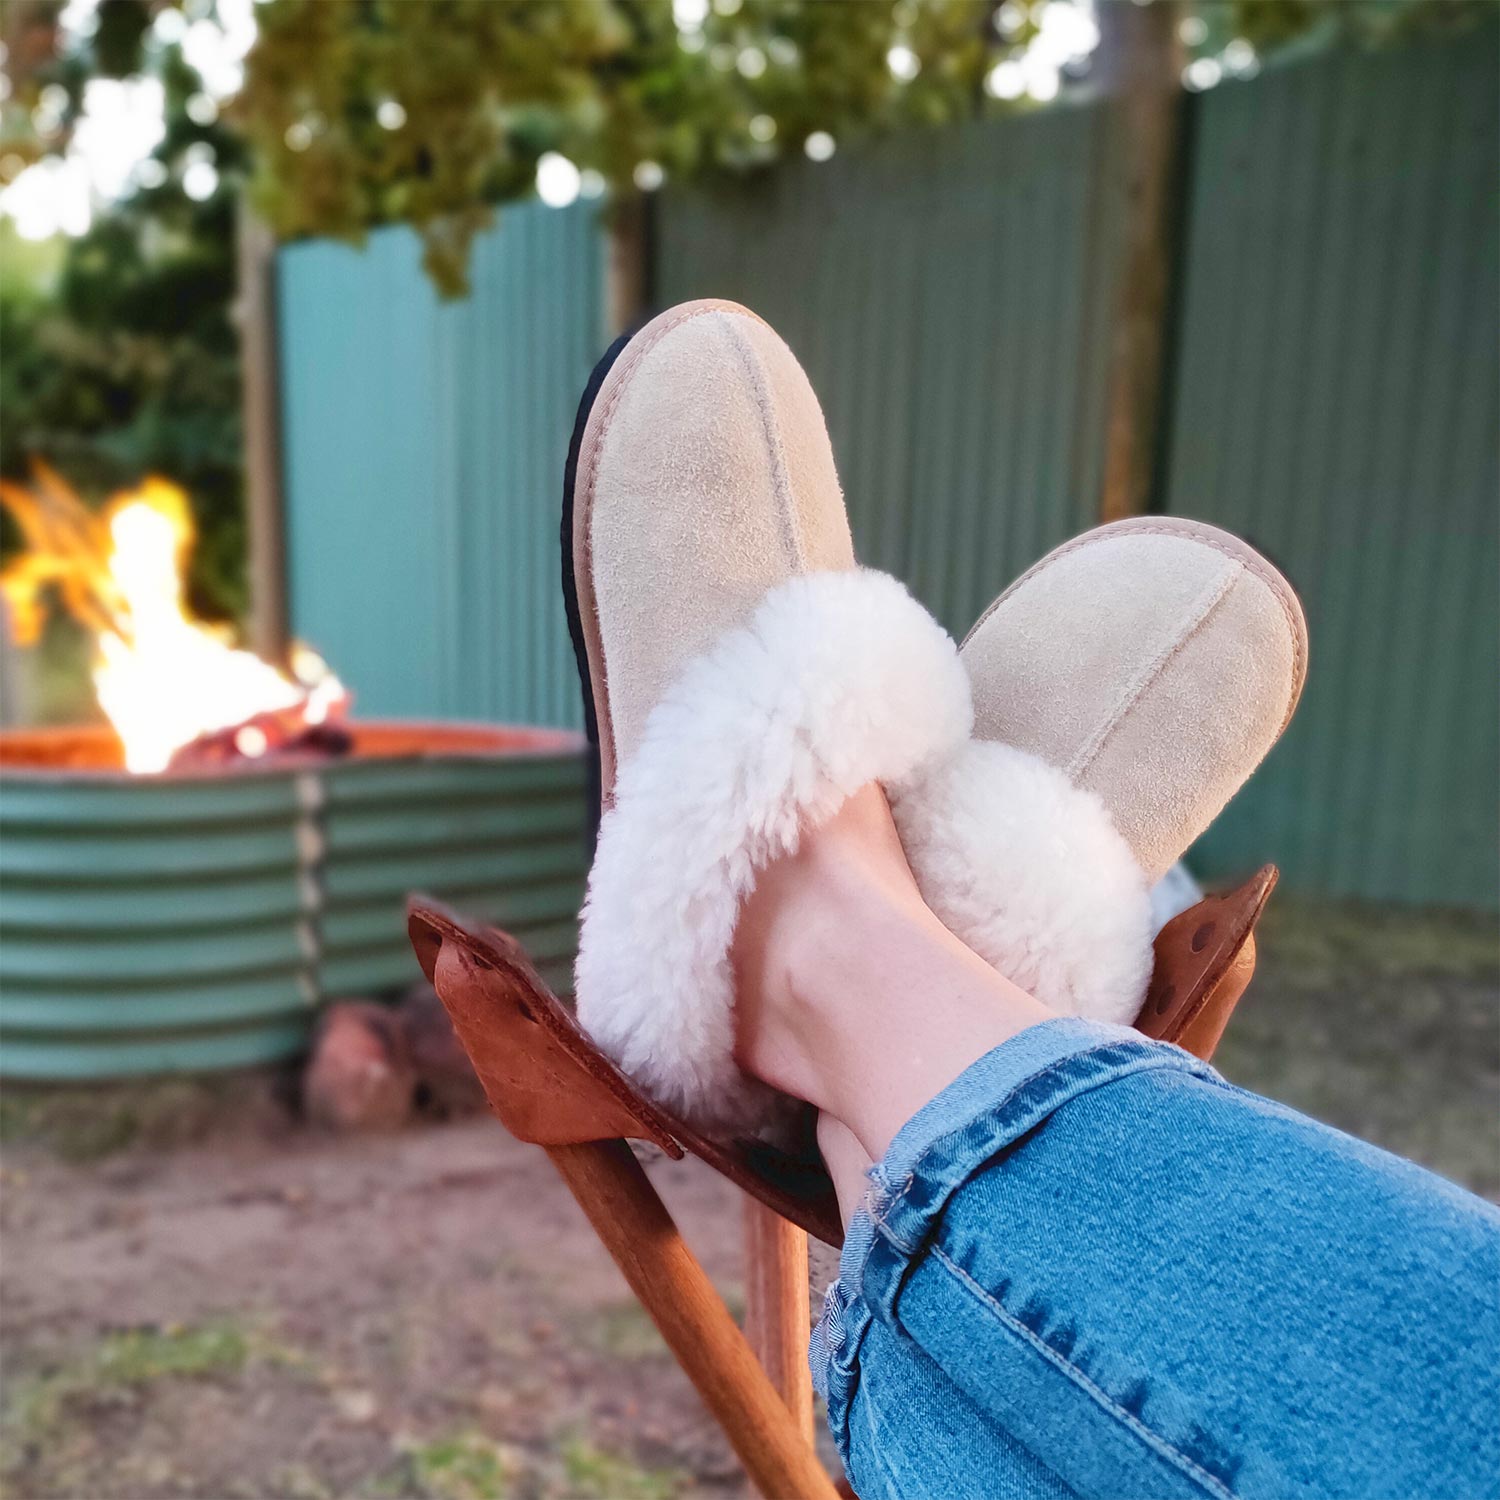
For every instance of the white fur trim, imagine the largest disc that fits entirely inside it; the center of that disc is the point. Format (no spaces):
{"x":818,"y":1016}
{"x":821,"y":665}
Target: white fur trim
{"x":838,"y":679}
{"x":1030,"y":872}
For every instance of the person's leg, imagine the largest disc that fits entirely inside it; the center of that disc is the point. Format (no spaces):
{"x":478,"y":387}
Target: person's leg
{"x":1119,"y":1276}
{"x":1158,"y":1285}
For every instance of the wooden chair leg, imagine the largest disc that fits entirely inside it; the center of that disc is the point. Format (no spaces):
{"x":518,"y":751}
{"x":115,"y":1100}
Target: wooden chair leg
{"x":630,"y":1218}
{"x":777,"y":1307}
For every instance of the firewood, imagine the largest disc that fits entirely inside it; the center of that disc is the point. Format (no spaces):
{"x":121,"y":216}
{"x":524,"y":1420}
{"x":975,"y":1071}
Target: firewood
{"x":360,"y":1076}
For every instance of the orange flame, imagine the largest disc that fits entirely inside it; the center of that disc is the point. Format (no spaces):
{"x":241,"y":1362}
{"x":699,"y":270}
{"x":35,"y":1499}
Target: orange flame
{"x":163,"y":678}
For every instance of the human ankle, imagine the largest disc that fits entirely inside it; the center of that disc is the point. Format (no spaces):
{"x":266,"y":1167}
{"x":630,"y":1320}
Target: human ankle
{"x":804,"y":935}
{"x":850,"y":993}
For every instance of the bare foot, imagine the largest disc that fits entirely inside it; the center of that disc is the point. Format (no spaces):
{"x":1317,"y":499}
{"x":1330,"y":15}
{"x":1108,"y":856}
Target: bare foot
{"x":849,"y":991}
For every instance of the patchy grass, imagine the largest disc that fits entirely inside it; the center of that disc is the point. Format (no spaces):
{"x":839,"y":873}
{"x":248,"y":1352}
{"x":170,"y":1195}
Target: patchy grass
{"x":70,"y":1125}
{"x":593,"y":1474}
{"x":293,"y":1482}
{"x":85,"y":1123}
{"x":463,"y":1466}
{"x":127,"y":1359}
{"x":625,"y":1331}
{"x":468,"y":1465}
{"x":1333,"y":944}
{"x":42,"y":1407}
{"x":143,"y":1354}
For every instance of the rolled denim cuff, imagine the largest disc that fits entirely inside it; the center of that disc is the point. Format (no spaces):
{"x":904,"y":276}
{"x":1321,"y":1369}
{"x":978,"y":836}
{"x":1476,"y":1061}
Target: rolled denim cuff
{"x":1003,"y":1096}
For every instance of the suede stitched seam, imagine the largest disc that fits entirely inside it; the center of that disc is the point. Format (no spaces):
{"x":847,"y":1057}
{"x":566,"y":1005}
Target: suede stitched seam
{"x":1140,"y":1065}
{"x":617,"y":383}
{"x":771,"y":428}
{"x":1152,"y":1439}
{"x":623,"y":373}
{"x":1190,"y":531}
{"x":1205,"y":607}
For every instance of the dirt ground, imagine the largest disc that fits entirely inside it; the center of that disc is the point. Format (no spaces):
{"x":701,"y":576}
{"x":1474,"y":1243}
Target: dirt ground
{"x":204,"y":1298}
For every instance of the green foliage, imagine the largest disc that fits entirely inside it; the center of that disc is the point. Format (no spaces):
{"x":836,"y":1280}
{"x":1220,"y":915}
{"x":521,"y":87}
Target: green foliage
{"x":122,"y":358}
{"x":484,"y":89}
{"x":1273,"y":25}
{"x":474,"y":92}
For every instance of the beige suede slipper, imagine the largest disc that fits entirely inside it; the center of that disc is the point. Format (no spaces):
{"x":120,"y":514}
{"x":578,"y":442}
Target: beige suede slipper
{"x":1156,"y":660}
{"x":703,"y":476}
{"x":1151,"y":663}
{"x":744,"y":679}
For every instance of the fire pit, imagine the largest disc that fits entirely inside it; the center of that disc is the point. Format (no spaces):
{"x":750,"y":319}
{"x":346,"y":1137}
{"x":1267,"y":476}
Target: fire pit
{"x":183,"y":890}
{"x":198,"y":917}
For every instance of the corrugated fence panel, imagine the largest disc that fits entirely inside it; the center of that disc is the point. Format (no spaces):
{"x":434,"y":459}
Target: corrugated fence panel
{"x":946,"y":293}
{"x":1337,"y":399}
{"x":423,"y":452}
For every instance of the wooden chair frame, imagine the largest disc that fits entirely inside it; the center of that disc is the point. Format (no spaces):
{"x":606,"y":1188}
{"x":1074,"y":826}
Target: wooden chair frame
{"x":549,"y":1085}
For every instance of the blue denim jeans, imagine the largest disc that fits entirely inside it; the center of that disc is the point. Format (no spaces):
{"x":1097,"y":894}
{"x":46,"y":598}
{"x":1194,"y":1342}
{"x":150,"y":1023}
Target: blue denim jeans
{"x":1091,"y":1267}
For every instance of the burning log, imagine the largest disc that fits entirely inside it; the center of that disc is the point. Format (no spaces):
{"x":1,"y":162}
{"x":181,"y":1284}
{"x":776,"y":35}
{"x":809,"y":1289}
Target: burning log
{"x":277,"y":733}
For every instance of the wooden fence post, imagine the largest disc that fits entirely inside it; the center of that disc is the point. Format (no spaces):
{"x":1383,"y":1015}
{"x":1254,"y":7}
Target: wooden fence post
{"x":1140,"y":65}
{"x":265,"y":514}
{"x":627,"y":271}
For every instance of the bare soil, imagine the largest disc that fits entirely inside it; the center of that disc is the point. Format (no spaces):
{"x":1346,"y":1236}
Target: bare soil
{"x":271,"y":1312}
{"x":205,"y":1298}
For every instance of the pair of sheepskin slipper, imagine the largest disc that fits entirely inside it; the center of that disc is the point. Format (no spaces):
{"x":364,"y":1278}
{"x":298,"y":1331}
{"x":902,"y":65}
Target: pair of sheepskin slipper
{"x":744,"y":677}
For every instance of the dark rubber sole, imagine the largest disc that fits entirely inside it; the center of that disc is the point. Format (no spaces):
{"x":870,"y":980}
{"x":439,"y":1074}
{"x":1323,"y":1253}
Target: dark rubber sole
{"x":570,"y":583}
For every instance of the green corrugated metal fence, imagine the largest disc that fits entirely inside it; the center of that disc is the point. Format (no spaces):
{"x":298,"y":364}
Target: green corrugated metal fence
{"x":423,"y":449}
{"x":1334,"y":397}
{"x":1337,"y":401}
{"x":948,"y":295}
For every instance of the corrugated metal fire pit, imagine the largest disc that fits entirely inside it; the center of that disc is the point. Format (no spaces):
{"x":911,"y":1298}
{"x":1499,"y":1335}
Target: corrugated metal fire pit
{"x":197,"y":919}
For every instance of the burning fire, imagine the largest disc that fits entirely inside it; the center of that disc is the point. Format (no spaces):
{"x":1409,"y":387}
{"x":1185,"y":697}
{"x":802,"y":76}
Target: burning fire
{"x":164,"y":679}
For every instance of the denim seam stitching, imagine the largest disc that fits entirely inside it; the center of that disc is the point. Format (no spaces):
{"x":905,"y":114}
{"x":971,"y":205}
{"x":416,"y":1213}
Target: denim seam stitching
{"x":1152,"y":1439}
{"x":909,"y":1176}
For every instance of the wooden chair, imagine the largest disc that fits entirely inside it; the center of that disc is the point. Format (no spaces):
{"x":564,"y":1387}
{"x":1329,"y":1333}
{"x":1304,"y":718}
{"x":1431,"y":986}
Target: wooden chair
{"x":548,"y":1084}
